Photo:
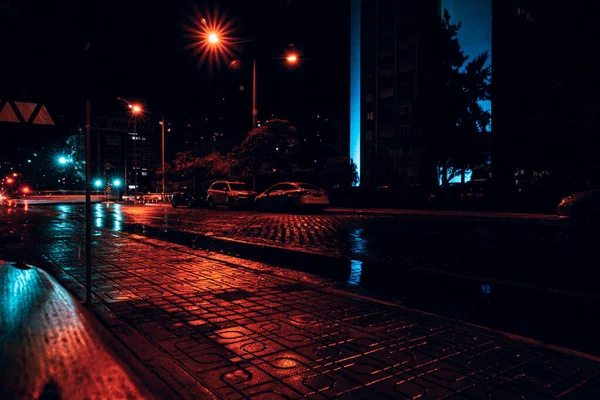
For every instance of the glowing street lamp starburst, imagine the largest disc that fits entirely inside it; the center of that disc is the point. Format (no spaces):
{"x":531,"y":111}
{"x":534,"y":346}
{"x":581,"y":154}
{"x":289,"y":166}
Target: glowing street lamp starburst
{"x":211,"y":37}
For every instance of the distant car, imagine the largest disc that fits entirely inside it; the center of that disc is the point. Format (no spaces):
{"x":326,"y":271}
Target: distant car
{"x":179,"y":197}
{"x":581,"y":205}
{"x":232,"y":194}
{"x":292,"y":196}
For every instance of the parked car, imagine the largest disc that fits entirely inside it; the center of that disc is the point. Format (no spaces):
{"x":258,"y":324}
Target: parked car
{"x":232,"y":194}
{"x":179,"y":197}
{"x":188,"y":197}
{"x":292,"y":196}
{"x":581,"y":206}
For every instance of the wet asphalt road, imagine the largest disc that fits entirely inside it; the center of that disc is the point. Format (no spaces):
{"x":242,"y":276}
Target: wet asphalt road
{"x":530,"y":279}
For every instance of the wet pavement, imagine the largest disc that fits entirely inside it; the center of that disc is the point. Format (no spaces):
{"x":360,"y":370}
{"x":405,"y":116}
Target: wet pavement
{"x":521,"y":278}
{"x":48,"y":346}
{"x":243,"y":329}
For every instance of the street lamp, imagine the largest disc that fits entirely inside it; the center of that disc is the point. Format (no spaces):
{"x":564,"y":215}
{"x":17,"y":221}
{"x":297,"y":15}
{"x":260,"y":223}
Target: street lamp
{"x":98,"y":183}
{"x":291,"y":59}
{"x":137,"y":111}
{"x":62,"y":160}
{"x":117,"y":183}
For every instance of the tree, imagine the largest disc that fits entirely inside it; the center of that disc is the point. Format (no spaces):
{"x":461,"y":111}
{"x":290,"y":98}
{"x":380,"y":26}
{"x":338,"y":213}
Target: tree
{"x":185,"y":165}
{"x":215,"y":165}
{"x":339,"y":171}
{"x":270,"y":147}
{"x":455,"y":136}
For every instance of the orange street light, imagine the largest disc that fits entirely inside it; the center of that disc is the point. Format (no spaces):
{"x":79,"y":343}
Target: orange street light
{"x":135,"y":109}
{"x":292,"y":59}
{"x":9,"y":180}
{"x":211,"y":37}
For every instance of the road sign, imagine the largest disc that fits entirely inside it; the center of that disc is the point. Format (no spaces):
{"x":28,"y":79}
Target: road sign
{"x":8,"y":114}
{"x":25,"y":112}
{"x":26,"y":109}
{"x":43,"y":117}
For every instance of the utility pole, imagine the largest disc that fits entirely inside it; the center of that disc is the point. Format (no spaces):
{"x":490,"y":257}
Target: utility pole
{"x":163,"y":158}
{"x":125,"y":178}
{"x":135,"y":161}
{"x":88,"y":207}
{"x":254,"y":103}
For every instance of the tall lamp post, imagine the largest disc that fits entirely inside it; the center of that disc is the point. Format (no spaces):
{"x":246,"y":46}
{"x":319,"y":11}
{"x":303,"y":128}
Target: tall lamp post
{"x":291,"y":59}
{"x":136,"y":110}
{"x":163,"y":157}
{"x":212,"y":43}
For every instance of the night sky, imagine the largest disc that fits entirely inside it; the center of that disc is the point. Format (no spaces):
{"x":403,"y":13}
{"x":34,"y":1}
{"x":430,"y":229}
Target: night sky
{"x":138,"y":51}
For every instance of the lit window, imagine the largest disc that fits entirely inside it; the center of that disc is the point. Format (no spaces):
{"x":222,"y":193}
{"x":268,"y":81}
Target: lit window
{"x":386,"y":93}
{"x":370,"y":116}
{"x":405,"y":109}
{"x":386,"y":133}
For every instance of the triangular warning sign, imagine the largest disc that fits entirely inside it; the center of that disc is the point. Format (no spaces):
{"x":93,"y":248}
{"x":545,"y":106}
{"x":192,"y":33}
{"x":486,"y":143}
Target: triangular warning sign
{"x":8,"y":115}
{"x":43,"y":118}
{"x":26,"y":109}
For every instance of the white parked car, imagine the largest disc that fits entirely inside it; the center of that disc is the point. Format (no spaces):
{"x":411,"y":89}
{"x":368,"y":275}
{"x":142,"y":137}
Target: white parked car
{"x":292,"y":196}
{"x":232,"y":194}
{"x":581,"y":205}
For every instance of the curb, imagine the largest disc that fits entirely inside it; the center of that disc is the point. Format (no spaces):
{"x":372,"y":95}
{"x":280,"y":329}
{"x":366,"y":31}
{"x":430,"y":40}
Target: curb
{"x":431,"y":215}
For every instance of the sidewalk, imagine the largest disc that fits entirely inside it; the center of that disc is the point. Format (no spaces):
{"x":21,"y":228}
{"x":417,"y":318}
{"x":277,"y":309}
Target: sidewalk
{"x":49,"y":346}
{"x":214,"y":325}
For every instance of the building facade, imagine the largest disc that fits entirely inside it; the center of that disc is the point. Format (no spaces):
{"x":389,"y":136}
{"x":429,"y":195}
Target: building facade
{"x":546,"y":108}
{"x":391,"y":44}
{"x":124,"y":148}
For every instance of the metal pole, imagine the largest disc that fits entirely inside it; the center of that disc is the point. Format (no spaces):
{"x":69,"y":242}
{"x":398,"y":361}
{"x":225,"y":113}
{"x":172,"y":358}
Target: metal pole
{"x":125,"y":178}
{"x":135,"y":161}
{"x":163,"y":158}
{"x":88,"y":208}
{"x":254,"y":105}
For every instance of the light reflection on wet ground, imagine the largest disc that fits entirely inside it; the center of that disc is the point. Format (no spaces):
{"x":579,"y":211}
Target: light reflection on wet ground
{"x":434,"y":284}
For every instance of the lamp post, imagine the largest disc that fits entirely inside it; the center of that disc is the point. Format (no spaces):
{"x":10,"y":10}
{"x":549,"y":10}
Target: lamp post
{"x":291,"y":59}
{"x":136,"y":110}
{"x":212,"y":43}
{"x":163,"y":158}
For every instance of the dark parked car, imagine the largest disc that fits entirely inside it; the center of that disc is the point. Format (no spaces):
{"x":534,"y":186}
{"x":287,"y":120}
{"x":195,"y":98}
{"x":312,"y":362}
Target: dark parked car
{"x":292,"y":196}
{"x":187,"y":197}
{"x":179,"y":197}
{"x":581,"y":206}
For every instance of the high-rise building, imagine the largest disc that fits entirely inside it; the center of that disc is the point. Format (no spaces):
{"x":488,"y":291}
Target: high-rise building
{"x":546,"y":108}
{"x":123,"y":148}
{"x":391,"y":42}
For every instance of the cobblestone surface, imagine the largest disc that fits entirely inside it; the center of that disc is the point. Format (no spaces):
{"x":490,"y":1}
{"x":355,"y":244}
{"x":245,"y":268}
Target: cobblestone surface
{"x":243,"y":330}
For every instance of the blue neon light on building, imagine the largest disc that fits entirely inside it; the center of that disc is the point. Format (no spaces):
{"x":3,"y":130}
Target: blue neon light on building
{"x":355,"y":109}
